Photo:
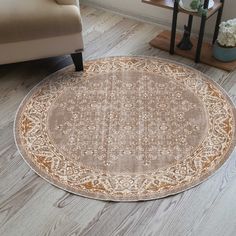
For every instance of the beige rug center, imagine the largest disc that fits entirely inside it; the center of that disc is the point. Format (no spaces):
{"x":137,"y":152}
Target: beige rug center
{"x":126,"y":129}
{"x":127,"y":120}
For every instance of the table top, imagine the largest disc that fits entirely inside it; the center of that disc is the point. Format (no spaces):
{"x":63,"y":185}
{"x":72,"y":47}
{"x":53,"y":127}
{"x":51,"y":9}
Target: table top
{"x":169,"y":4}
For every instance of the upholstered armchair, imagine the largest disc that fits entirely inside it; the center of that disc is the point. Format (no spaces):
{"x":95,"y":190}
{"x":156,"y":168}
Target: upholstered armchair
{"x":33,"y":29}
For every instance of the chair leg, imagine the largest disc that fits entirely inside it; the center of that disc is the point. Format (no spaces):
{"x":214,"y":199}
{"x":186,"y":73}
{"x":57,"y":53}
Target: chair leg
{"x":78,"y":61}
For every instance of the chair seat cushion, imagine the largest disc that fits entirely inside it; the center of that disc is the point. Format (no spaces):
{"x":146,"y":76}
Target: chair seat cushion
{"x":22,"y":20}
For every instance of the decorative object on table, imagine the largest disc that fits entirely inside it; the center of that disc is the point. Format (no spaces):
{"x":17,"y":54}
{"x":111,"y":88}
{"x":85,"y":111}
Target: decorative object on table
{"x":185,"y":43}
{"x":195,"y":6}
{"x":225,"y":46}
{"x":126,"y":129}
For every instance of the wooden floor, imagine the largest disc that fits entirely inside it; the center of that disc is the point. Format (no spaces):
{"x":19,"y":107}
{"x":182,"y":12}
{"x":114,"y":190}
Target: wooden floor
{"x":31,"y":206}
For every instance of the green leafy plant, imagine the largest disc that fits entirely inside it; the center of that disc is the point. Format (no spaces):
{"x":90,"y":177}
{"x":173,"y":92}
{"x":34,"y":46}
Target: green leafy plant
{"x":197,"y":5}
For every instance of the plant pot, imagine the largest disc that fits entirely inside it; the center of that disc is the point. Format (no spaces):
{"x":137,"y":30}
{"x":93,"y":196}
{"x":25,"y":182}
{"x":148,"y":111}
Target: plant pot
{"x":224,"y":54}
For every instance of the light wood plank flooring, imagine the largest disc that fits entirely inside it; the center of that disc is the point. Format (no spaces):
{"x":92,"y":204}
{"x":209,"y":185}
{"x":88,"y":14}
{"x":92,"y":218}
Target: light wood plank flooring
{"x":30,"y":206}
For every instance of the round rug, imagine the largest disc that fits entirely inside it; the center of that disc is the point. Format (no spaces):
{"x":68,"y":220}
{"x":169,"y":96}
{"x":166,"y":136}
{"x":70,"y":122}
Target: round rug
{"x":126,"y":129}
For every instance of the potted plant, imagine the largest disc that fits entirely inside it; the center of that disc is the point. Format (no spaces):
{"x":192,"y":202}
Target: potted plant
{"x":195,"y":6}
{"x":225,"y":47}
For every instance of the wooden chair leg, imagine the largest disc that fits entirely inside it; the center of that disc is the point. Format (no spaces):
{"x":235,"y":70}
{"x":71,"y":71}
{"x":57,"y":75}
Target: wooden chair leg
{"x":78,"y":61}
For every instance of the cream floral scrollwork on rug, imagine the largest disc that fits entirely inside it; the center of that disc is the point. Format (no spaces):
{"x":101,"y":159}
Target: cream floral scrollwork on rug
{"x":127,"y":128}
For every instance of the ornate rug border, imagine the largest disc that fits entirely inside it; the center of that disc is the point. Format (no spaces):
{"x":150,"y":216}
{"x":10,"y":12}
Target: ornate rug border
{"x":100,"y":196}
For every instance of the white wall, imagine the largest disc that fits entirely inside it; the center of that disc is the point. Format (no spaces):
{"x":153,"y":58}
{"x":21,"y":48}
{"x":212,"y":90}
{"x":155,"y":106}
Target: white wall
{"x":136,"y":8}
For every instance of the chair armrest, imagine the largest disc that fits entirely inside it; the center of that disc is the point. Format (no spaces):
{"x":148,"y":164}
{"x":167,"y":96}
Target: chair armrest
{"x":68,"y":2}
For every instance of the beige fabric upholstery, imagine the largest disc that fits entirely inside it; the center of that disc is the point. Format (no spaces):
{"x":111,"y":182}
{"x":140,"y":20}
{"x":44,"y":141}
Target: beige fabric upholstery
{"x":40,"y":48}
{"x":27,"y":22}
{"x":68,"y":2}
{"x":33,"y":19}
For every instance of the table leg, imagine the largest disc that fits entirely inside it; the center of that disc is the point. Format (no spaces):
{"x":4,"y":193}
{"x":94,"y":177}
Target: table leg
{"x":190,"y":23}
{"x":173,"y":29}
{"x":218,"y":20}
{"x":200,"y":39}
